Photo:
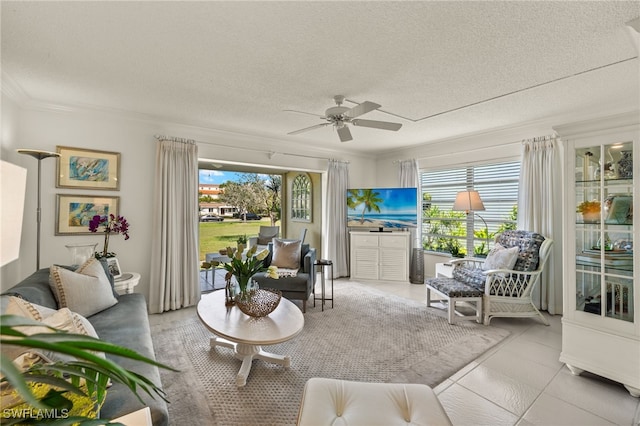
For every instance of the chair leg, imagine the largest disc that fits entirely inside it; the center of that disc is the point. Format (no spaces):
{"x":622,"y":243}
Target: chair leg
{"x":304,"y":306}
{"x":452,"y":310}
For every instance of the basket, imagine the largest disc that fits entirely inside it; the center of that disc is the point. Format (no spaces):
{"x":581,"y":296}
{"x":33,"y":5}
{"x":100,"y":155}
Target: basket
{"x":259,"y":303}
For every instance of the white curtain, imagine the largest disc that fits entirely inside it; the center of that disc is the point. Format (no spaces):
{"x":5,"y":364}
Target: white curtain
{"x":410,"y":178}
{"x":174,"y":243}
{"x":337,"y":242}
{"x":540,"y":210}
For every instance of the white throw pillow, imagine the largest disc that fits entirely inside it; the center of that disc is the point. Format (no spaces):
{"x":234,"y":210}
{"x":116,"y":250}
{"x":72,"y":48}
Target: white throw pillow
{"x":86,"y":290}
{"x":62,"y":319}
{"x":501,"y":258}
{"x":286,"y":253}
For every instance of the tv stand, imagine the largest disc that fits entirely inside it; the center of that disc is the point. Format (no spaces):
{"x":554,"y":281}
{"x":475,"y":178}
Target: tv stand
{"x":380,"y":255}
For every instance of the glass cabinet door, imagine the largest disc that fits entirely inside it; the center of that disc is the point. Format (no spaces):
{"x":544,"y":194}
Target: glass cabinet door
{"x":604,"y":230}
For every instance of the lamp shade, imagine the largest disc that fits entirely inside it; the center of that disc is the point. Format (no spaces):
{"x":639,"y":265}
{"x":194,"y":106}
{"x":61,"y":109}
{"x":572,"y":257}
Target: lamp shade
{"x":13,"y":180}
{"x":468,"y":201}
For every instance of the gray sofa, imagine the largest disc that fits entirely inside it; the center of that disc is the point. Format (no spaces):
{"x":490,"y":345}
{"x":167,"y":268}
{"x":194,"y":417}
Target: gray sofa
{"x":299,"y":287}
{"x":125,"y":324}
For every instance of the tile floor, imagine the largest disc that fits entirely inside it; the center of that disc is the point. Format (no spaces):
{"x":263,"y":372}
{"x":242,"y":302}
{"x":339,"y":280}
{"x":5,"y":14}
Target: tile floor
{"x":522,"y":382}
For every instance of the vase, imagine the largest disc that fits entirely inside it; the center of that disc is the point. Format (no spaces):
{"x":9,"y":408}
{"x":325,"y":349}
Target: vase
{"x":625,"y":165}
{"x":258,"y":302}
{"x":80,"y":253}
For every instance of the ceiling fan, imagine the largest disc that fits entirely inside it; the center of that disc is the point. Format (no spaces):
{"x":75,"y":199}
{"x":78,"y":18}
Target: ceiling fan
{"x":339,"y":116}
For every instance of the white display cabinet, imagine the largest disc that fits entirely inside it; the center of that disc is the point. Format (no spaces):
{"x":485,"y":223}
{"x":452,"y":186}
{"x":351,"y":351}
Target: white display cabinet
{"x":601,"y":322}
{"x":380,"y":255}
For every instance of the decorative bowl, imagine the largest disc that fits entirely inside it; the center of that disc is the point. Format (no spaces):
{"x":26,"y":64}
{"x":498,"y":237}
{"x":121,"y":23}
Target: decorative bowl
{"x":259,"y":303}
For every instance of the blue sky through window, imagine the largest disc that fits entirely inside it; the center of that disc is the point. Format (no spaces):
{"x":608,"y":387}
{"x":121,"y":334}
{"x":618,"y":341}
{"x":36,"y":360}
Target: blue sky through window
{"x":217,"y":176}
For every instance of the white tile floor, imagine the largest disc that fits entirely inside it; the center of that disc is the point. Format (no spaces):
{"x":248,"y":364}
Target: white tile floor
{"x":522,"y":382}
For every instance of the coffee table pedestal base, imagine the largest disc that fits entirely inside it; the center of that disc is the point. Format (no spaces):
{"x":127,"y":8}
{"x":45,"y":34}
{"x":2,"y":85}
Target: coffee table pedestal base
{"x":247,"y":353}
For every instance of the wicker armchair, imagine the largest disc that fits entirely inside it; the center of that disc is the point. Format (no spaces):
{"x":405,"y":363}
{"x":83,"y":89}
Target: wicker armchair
{"x":507,"y":292}
{"x":496,"y":292}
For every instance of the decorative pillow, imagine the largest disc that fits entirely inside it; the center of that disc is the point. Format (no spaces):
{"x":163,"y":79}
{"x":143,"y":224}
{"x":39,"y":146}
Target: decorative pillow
{"x":501,"y":258}
{"x":86,"y":291}
{"x":62,"y":319}
{"x":286,"y":253}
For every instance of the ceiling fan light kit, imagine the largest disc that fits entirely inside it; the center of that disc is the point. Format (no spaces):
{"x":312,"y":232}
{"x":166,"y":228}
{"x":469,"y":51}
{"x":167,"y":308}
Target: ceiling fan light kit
{"x":339,"y":116}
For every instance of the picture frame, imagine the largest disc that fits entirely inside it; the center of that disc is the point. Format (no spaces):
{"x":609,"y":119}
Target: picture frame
{"x":114,"y":267}
{"x":74,"y":212}
{"x":620,"y":210}
{"x":87,"y":168}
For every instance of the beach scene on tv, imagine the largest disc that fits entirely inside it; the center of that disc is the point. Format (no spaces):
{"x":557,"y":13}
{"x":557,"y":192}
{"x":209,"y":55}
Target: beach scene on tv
{"x":394,"y":208}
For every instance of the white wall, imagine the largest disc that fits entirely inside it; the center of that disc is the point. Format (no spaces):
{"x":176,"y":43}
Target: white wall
{"x":45,"y":128}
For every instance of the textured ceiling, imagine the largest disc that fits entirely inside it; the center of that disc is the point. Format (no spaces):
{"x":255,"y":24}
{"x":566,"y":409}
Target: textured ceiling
{"x":446,"y":68}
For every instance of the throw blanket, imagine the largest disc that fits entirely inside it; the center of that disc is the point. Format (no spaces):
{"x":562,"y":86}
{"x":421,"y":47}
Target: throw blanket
{"x":283,"y":272}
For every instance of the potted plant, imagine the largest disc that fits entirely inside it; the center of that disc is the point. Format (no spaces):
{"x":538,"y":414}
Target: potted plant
{"x":70,"y":392}
{"x":590,"y":211}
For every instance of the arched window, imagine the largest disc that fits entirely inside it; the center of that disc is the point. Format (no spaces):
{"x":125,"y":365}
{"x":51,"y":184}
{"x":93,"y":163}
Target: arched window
{"x":301,"y":198}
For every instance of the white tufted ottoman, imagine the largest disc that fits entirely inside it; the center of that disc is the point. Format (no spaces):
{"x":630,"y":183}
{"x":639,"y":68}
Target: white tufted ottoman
{"x":341,"y":402}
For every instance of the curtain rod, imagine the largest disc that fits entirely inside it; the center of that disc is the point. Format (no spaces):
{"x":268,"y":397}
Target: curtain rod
{"x":271,"y":154}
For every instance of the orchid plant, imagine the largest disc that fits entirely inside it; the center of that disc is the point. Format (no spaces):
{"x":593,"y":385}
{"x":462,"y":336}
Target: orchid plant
{"x":112,"y":225}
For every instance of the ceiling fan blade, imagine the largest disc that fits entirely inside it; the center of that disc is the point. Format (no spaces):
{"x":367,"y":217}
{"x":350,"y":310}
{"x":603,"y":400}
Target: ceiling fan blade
{"x":345,"y":134}
{"x":385,"y":125}
{"x":303,"y":112}
{"x":306,"y":129}
{"x":362,"y":108}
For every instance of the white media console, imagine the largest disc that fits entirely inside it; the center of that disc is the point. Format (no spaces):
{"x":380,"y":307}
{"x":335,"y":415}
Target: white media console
{"x":380,"y":255}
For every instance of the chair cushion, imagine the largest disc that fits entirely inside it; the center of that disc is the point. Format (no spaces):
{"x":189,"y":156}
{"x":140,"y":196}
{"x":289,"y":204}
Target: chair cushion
{"x":501,"y":258}
{"x":453,"y":288}
{"x":528,"y":244}
{"x":286,"y":254}
{"x":471,"y":276}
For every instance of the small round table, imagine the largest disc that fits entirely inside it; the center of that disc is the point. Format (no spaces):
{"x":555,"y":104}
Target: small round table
{"x":246,"y":335}
{"x":126,"y":282}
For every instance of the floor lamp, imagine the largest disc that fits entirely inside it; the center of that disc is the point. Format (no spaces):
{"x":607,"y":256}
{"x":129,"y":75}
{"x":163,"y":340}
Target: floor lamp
{"x":38,"y":155}
{"x":470,"y":201}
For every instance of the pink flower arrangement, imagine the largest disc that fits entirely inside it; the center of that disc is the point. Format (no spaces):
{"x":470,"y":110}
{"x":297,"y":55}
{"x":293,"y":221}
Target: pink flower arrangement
{"x":112,"y":224}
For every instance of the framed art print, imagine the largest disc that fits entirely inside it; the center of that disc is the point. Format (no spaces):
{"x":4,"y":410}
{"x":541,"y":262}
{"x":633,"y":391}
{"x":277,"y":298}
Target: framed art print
{"x":87,"y":168}
{"x":74,"y":212}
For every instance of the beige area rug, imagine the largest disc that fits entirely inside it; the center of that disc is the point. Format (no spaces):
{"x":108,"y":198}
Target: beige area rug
{"x":368,"y":336}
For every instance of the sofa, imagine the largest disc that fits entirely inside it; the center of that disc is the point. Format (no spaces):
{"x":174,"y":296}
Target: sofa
{"x":298,"y":287}
{"x":126,"y":324}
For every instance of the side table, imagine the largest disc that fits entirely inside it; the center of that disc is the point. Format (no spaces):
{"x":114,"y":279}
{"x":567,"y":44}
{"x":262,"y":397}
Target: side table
{"x":322,"y":264}
{"x":126,"y":282}
{"x":444,"y":270}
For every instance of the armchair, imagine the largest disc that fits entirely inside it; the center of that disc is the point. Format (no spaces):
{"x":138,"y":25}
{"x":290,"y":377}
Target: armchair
{"x":298,"y":287}
{"x":503,"y":291}
{"x":265,"y":235}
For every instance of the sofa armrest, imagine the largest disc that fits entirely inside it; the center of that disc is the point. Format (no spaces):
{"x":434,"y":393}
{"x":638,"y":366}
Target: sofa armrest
{"x":309,"y":265}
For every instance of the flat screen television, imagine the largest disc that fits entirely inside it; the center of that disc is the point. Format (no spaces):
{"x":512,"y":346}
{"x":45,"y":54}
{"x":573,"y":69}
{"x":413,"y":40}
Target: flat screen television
{"x":382,"y":208}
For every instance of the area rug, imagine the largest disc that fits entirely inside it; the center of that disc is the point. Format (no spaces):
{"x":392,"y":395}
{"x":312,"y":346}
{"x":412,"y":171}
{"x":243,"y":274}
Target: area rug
{"x":368,"y":336}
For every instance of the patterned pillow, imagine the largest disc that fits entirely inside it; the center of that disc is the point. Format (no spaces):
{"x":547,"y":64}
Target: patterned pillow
{"x":528,"y":244}
{"x":86,"y":290}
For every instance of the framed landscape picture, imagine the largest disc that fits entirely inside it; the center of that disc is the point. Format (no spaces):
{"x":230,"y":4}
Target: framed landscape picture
{"x":74,"y":212}
{"x":87,"y":168}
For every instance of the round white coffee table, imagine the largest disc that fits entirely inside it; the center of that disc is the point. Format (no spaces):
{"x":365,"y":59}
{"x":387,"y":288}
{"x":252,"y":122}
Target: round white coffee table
{"x":245,"y":334}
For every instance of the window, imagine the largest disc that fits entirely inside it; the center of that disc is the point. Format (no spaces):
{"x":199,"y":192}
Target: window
{"x":301,"y":198}
{"x":456,"y":232}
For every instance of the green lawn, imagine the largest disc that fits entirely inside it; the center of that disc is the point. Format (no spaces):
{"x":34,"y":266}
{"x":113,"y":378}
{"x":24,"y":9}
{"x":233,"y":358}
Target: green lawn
{"x":217,"y":235}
